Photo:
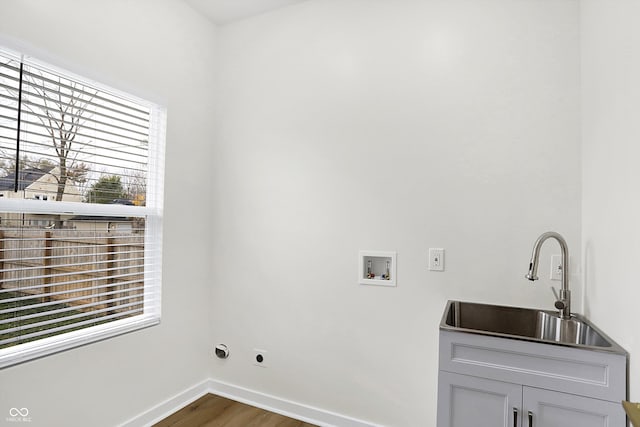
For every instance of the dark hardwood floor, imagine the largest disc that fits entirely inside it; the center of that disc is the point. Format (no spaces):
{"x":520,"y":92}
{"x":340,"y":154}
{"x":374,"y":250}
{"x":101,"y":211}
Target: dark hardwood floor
{"x":216,"y":411}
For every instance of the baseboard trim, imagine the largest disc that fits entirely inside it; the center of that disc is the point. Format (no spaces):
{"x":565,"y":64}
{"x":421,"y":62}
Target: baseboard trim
{"x":288,"y":408}
{"x":169,"y":406}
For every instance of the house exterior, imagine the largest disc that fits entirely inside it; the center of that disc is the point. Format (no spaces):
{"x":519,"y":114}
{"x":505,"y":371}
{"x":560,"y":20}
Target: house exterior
{"x":38,"y":184}
{"x":41,"y":184}
{"x":35,"y":184}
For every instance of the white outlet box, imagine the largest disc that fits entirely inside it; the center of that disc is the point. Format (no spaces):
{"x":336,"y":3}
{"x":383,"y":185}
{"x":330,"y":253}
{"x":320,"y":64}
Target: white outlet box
{"x":436,"y":259}
{"x":260,"y":358}
{"x":556,"y":267}
{"x":377,"y":268}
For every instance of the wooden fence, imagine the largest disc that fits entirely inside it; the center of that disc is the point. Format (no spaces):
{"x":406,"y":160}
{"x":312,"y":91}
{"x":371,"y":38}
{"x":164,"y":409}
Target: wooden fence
{"x":88,"y":270}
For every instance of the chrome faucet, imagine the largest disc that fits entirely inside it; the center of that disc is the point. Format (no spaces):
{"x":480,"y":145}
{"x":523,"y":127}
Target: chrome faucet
{"x":563,"y":301}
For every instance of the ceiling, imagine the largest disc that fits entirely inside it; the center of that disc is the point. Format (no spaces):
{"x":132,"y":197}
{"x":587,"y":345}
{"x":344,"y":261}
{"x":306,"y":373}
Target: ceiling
{"x":224,"y":11}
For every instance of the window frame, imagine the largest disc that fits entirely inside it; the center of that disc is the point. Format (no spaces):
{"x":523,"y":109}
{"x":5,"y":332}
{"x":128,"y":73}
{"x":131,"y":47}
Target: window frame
{"x":152,"y":211}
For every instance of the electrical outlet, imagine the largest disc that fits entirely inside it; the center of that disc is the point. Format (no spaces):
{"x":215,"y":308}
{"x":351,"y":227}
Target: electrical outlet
{"x":556,"y":267}
{"x":436,"y":259}
{"x":260,"y":358}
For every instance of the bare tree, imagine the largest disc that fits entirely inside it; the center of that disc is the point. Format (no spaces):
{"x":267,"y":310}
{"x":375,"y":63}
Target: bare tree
{"x":134,"y":183}
{"x":62,"y":108}
{"x":63,"y":112}
{"x":8,"y":164}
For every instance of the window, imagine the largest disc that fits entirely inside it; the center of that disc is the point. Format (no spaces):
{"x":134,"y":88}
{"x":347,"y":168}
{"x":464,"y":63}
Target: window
{"x":85,"y":265}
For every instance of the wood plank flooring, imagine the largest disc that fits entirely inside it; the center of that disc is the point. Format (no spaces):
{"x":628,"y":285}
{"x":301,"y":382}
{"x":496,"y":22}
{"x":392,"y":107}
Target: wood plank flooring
{"x":216,"y":411}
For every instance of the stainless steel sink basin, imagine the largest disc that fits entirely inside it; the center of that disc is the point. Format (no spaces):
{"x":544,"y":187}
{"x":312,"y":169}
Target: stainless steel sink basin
{"x":571,"y":331}
{"x":526,"y":324}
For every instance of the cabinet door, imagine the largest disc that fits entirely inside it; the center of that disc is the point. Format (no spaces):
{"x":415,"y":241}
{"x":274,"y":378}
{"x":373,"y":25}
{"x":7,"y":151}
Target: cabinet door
{"x":466,"y":401}
{"x":554,"y":409}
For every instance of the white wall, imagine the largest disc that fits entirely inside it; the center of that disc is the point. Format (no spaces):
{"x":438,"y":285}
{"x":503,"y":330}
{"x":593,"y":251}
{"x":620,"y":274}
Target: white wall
{"x":343,"y":125}
{"x":611,"y":152}
{"x":164,"y":50}
{"x":352,"y":125}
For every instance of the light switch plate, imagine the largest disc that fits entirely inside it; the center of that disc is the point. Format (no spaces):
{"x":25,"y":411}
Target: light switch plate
{"x":556,"y":267}
{"x":436,"y":259}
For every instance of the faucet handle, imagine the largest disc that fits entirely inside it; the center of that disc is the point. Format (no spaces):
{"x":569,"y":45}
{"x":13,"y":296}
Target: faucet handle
{"x":560,"y":304}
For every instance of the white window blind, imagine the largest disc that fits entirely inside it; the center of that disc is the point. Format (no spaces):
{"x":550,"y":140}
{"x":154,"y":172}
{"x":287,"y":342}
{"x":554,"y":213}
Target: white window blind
{"x":81,"y":181}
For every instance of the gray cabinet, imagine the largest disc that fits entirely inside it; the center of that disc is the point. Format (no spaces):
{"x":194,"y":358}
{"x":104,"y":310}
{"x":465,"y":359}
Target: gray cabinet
{"x":489,"y":381}
{"x":464,"y":401}
{"x":553,"y":409}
